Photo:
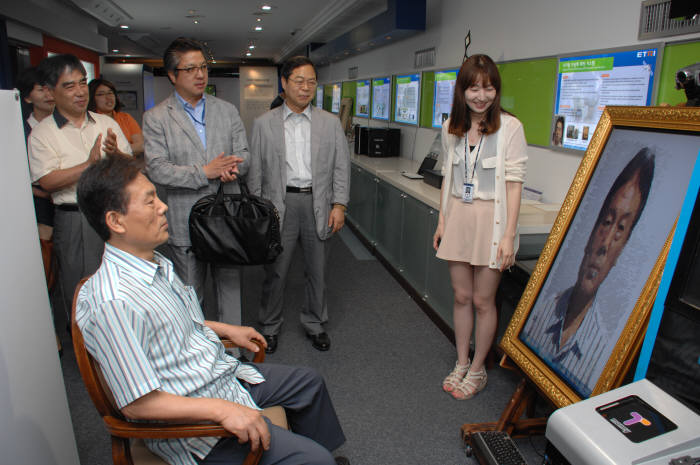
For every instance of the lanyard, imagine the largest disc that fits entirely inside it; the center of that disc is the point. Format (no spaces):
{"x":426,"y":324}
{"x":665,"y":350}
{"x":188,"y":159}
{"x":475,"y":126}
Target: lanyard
{"x":192,"y":115}
{"x":466,"y":157}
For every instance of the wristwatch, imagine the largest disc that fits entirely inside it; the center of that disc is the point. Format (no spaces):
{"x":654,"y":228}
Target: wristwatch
{"x":342,"y":207}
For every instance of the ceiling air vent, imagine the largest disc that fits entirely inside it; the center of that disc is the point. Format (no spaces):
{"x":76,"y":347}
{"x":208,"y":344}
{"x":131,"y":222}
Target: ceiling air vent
{"x":654,"y":21}
{"x":352,"y":72}
{"x":424,"y":58}
{"x":105,"y":10}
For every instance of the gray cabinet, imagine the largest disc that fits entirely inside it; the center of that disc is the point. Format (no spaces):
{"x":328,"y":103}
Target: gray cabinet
{"x":416,"y":242}
{"x":363,"y":194}
{"x":401,"y":229}
{"x":388,"y":224}
{"x":438,"y":291}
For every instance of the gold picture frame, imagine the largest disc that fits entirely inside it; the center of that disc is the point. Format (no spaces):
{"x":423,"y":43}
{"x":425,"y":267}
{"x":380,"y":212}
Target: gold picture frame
{"x":566,"y":367}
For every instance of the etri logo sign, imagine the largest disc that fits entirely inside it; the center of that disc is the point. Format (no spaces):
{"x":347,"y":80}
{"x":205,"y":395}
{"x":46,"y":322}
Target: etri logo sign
{"x":646,"y":53}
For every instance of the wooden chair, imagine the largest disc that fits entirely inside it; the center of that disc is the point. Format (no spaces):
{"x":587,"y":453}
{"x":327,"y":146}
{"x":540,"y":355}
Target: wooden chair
{"x":128,"y":447}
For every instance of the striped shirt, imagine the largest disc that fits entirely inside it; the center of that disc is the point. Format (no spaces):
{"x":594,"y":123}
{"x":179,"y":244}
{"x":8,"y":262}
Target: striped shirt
{"x":146,"y":330}
{"x":581,"y":360}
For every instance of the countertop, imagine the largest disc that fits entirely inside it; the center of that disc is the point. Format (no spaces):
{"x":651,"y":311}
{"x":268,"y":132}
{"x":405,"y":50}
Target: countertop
{"x":535,"y":217}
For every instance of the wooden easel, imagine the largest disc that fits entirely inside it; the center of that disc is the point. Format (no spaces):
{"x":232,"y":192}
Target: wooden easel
{"x":521,"y":402}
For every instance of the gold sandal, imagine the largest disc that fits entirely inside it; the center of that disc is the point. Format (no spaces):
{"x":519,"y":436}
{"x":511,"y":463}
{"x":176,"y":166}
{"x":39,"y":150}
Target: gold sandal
{"x":455,"y":377}
{"x":474,"y":382}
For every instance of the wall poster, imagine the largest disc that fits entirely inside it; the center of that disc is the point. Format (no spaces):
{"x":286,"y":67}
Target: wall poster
{"x":587,"y":84}
{"x":407,"y":99}
{"x":381,"y":98}
{"x":443,"y":94}
{"x":362,"y":99}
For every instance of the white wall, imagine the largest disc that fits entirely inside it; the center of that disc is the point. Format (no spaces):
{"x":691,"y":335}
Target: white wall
{"x":35,"y":426}
{"x":505,"y":30}
{"x":258,"y":88}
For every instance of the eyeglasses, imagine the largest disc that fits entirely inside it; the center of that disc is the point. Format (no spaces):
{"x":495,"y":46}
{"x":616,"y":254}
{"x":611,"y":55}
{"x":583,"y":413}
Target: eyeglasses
{"x":193,"y":69}
{"x":301,"y":81}
{"x":104,"y":94}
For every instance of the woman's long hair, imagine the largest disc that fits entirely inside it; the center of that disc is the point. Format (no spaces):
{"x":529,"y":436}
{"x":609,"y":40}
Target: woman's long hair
{"x":477,"y":67}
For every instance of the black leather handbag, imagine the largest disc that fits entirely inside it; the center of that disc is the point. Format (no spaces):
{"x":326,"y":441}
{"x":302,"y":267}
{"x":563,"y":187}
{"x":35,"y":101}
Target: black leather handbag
{"x":235,"y":229}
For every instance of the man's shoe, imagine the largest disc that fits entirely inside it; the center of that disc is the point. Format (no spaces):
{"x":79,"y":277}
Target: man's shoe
{"x":320,"y":341}
{"x":340,"y":460}
{"x":271,"y":343}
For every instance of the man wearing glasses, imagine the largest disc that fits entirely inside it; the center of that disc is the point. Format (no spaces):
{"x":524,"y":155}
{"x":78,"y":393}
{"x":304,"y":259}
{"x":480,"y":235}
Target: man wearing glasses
{"x":300,"y":161}
{"x":193,"y":142}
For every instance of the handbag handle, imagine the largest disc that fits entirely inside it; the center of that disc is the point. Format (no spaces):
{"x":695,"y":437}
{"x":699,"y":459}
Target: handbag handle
{"x":245,"y":193}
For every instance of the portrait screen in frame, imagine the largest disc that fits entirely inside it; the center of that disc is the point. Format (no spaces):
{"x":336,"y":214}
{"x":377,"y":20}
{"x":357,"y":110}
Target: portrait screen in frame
{"x":611,"y":247}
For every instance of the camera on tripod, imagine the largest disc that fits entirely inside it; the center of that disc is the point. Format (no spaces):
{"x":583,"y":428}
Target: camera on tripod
{"x":688,"y":79}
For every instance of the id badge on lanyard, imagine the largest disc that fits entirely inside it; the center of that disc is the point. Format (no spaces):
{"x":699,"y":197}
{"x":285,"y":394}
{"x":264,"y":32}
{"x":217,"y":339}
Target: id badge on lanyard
{"x":468,"y":188}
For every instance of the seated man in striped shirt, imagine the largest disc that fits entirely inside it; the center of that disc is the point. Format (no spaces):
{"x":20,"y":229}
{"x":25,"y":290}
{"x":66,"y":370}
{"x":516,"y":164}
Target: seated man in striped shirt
{"x":163,"y":361}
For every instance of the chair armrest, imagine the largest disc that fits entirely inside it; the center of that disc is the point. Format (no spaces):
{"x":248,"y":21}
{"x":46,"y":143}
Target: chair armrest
{"x":259,"y":355}
{"x":127,"y":429}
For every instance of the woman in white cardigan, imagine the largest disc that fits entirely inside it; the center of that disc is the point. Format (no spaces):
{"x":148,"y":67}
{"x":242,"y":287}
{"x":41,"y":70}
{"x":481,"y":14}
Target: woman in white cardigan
{"x":484,"y":155}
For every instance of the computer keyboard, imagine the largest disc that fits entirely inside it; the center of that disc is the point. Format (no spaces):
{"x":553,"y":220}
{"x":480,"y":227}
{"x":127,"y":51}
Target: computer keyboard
{"x":495,"y":448}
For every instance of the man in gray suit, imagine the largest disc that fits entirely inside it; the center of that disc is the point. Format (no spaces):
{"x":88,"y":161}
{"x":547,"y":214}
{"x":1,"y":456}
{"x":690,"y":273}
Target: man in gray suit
{"x":194,"y":142}
{"x":300,"y":161}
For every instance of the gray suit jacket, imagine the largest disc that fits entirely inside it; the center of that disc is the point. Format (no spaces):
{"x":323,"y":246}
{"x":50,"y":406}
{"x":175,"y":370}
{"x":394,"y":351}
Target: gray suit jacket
{"x":175,"y":155}
{"x":330,"y":163}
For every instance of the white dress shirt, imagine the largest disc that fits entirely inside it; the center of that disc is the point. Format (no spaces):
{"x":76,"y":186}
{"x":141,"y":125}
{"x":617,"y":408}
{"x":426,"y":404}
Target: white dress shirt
{"x":297,"y":139}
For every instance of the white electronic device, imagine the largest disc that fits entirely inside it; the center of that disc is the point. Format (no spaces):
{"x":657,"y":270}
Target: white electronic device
{"x":636,"y":424}
{"x":412,"y":175}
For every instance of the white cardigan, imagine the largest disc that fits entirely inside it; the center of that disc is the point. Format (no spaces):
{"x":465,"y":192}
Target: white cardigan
{"x":511,"y":161}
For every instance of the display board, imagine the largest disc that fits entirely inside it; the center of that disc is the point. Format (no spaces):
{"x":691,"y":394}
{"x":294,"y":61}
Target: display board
{"x":335,"y":102}
{"x":319,"y":96}
{"x":362,"y":89}
{"x":676,"y":56}
{"x":527,"y":91}
{"x":586,"y":84}
{"x":407,"y":99}
{"x":443,"y":93}
{"x":327,"y":97}
{"x":381,"y":98}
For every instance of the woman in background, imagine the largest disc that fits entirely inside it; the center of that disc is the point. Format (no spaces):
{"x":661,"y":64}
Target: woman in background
{"x":484,"y":155}
{"x":103,"y":99}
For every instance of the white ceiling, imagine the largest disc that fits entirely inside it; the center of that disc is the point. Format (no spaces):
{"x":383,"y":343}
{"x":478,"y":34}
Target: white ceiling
{"x":227,"y":26}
